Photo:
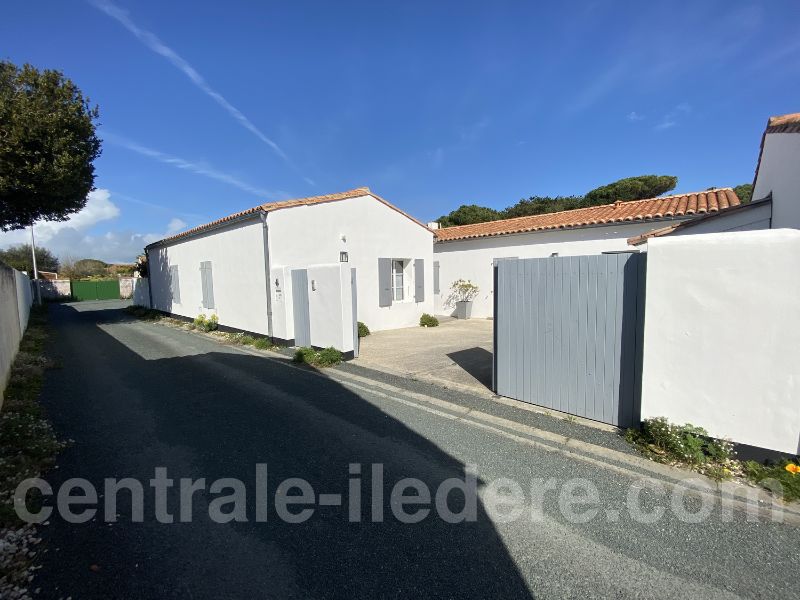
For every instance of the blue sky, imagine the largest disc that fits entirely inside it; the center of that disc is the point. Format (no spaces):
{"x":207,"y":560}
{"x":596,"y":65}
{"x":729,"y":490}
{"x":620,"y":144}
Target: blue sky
{"x":209,"y":108}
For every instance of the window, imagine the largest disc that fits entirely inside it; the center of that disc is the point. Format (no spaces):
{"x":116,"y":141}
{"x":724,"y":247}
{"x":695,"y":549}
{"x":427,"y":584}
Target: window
{"x":398,"y":280}
{"x":207,"y":284}
{"x":174,"y":284}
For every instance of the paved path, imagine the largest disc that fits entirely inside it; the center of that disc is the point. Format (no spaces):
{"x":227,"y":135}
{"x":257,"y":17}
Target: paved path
{"x":456,"y":353}
{"x":135,"y":396}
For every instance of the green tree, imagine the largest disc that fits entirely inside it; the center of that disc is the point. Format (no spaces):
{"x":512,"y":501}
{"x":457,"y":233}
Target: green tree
{"x":745,"y":192}
{"x":538,"y":205}
{"x":47,"y":146}
{"x":467,"y":214}
{"x":19,"y":257}
{"x":631,"y":188}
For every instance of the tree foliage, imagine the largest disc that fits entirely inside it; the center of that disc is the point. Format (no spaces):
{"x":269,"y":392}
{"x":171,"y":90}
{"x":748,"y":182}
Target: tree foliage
{"x":631,"y":188}
{"x":538,"y":205}
{"x":467,"y":214}
{"x":745,"y":192}
{"x":47,"y":146}
{"x":19,"y":257}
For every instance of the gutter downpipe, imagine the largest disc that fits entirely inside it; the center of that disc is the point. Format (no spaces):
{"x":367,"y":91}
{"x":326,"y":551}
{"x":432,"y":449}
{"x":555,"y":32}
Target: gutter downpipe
{"x":268,"y":272}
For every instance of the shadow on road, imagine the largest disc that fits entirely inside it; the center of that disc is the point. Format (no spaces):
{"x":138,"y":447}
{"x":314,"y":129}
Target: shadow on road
{"x":217,"y":414}
{"x":475,"y":361}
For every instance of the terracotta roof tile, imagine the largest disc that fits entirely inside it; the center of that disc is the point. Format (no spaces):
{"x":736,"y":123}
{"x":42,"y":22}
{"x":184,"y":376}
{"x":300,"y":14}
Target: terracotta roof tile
{"x":273,"y":206}
{"x":677,"y":205}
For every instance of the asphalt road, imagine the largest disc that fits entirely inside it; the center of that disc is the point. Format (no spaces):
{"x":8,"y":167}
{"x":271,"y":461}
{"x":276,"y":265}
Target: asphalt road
{"x":135,"y":396}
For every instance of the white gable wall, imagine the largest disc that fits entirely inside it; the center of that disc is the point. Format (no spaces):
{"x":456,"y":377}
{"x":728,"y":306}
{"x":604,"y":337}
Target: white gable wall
{"x":236,"y":253}
{"x":473,"y":259}
{"x":366,"y":229}
{"x":779,"y":173}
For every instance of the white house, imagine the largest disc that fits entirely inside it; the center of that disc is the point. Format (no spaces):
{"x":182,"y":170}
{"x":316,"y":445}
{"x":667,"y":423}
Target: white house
{"x":355,"y":256}
{"x":469,"y":251}
{"x":778,"y":170}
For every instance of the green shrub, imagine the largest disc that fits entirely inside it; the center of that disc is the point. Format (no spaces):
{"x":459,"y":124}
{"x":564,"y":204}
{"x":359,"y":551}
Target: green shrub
{"x":210,"y":324}
{"x":665,"y":442}
{"x":363,"y":330}
{"x":262,"y":343}
{"x":427,"y":320}
{"x":775,"y":477}
{"x":328,"y":357}
{"x":318,"y":358}
{"x":247,"y":340}
{"x":305,"y":355}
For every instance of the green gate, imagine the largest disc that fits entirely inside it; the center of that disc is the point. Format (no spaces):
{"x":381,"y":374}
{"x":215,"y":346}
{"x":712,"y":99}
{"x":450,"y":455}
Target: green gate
{"x":95,"y":289}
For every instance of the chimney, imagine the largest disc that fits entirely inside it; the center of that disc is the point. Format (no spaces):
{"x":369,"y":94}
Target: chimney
{"x":777,"y":175}
{"x":433,"y":225}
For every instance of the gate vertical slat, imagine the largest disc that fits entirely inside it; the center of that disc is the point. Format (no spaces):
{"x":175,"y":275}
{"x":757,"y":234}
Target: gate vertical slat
{"x":527,"y":329}
{"x":611,"y":362}
{"x":600,"y":316}
{"x":519,"y":356}
{"x":556,"y":325}
{"x":573,"y":334}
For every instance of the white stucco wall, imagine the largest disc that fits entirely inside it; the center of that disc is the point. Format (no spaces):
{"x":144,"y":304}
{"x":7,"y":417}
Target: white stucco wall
{"x":779,"y":173}
{"x":367,"y":230}
{"x":721,"y":335}
{"x":237,"y":256}
{"x":473,"y":259}
{"x":752,"y":218}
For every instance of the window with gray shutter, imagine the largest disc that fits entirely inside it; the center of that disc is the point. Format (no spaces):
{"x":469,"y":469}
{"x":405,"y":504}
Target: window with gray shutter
{"x":174,"y":284}
{"x":436,"y":289}
{"x":384,"y":282}
{"x":207,"y":284}
{"x":419,"y":280}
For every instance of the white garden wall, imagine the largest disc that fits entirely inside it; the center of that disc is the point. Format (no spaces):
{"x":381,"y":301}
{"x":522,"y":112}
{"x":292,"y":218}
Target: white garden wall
{"x":236,"y":253}
{"x":367,"y":230}
{"x":721,"y":334}
{"x":473,"y":259}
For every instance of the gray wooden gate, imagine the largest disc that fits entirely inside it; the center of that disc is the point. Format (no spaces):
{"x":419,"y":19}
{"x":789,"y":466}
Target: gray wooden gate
{"x":302,"y":318}
{"x":568,"y":334}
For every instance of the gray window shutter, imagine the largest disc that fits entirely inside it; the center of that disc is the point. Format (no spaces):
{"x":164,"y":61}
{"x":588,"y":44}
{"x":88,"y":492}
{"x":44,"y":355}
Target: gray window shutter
{"x":436,"y":289}
{"x":419,"y":280}
{"x":207,"y":284}
{"x":384,"y":282}
{"x":175,"y":284}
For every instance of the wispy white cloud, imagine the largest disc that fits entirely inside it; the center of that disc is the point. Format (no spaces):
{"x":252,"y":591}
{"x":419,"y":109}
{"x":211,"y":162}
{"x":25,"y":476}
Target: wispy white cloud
{"x":672,"y":118}
{"x":599,"y":87}
{"x":192,"y":167}
{"x":155,"y":44}
{"x":72,"y":238}
{"x":633,"y":117}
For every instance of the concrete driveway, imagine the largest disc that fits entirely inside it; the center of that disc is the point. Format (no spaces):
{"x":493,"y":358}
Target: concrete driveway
{"x":456,"y":353}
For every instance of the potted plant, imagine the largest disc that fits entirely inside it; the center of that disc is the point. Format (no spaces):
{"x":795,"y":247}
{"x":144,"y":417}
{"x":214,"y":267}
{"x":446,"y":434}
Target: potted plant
{"x":462,"y":293}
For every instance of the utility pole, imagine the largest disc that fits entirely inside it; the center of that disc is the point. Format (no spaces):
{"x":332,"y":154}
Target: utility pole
{"x":35,"y":270}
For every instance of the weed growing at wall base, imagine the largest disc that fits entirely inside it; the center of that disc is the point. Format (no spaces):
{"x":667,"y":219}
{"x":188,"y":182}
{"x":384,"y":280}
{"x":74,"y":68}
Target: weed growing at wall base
{"x":327,"y":357}
{"x":28,"y":447}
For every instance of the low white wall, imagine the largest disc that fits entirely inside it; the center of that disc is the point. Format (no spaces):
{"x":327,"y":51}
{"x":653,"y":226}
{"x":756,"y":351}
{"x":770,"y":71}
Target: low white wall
{"x":474,"y":259}
{"x":15,"y":303}
{"x":721,"y":336}
{"x":126,"y":287}
{"x":55,"y":289}
{"x":237,"y":257}
{"x":141,"y":292}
